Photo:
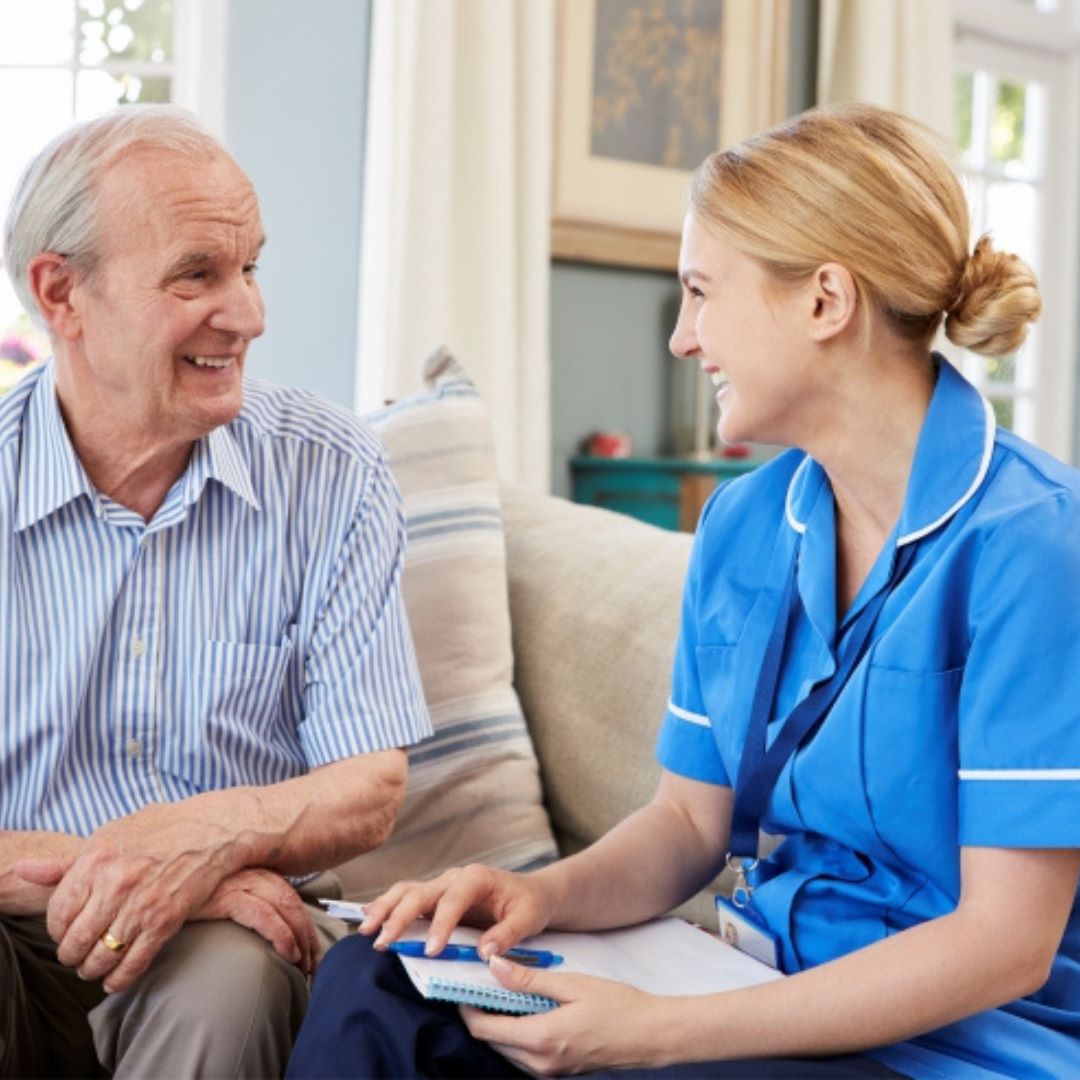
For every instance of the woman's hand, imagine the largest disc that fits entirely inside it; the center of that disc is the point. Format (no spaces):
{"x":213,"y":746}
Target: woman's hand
{"x":598,"y":1024}
{"x":512,"y":906}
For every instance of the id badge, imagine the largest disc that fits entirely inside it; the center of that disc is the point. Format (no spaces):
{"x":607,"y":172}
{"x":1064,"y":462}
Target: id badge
{"x":737,"y":929}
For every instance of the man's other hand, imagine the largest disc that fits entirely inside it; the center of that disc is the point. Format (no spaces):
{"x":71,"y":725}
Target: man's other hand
{"x":266,"y":903}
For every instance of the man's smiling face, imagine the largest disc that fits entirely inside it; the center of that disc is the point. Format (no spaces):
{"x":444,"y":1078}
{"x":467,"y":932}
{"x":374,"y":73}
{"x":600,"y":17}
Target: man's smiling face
{"x":167,"y":314}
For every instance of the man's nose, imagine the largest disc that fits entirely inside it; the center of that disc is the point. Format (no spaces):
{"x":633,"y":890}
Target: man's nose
{"x":241,"y":311}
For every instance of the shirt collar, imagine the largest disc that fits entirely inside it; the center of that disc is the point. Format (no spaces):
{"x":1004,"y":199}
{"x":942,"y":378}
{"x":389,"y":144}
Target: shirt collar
{"x":51,"y":475}
{"x":951,"y":461}
{"x":218,"y":457}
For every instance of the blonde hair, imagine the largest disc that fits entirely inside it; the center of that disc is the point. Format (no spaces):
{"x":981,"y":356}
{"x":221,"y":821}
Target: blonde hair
{"x":869,"y":189}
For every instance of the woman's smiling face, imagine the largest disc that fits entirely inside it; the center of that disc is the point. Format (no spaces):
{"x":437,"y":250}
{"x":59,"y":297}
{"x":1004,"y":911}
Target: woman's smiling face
{"x":743,"y":327}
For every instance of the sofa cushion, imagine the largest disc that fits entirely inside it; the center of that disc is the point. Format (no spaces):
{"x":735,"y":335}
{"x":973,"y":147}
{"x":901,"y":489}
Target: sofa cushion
{"x":473,"y":790}
{"x":595,"y":599}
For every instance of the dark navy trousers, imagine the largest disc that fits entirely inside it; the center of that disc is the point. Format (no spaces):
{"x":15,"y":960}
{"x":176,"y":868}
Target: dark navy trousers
{"x":367,"y":1020}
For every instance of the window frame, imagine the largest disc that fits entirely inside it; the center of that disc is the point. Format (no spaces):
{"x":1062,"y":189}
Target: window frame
{"x":1044,"y":46}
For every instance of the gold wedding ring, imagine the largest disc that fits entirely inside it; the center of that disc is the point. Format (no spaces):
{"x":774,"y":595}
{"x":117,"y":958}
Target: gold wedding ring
{"x":113,"y":944}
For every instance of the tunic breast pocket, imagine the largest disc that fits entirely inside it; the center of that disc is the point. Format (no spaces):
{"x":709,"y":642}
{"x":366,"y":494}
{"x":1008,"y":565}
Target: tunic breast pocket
{"x":910,"y":732}
{"x":240,"y":695}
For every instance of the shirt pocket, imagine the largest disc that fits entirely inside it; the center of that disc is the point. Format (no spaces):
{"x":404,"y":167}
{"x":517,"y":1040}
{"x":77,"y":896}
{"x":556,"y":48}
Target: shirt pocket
{"x":910,"y":722}
{"x":240,"y":698}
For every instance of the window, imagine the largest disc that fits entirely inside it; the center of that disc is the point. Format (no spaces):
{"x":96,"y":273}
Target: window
{"x":1017,"y":127}
{"x":67,"y":60}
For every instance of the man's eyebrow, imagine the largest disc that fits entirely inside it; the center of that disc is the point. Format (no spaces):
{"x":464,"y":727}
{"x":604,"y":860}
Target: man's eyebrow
{"x":196,"y":260}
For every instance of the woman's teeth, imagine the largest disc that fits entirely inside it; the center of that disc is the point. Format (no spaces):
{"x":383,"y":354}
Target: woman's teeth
{"x":718,"y":378}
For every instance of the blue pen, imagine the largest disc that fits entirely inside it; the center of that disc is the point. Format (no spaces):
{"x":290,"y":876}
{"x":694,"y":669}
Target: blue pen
{"x":527,"y":957}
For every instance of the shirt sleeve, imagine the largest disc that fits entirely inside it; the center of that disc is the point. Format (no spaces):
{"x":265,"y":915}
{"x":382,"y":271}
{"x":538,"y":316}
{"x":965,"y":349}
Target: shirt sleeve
{"x":685,"y":744}
{"x":1020,"y":697}
{"x":362,"y":688}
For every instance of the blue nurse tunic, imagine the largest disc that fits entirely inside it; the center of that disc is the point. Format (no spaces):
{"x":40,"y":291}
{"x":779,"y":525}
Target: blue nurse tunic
{"x":959,"y":727}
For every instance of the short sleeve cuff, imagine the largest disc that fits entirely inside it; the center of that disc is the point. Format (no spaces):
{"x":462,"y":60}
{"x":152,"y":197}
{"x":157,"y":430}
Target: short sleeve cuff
{"x":686,"y":746}
{"x":1027,"y":808}
{"x":326,"y":737}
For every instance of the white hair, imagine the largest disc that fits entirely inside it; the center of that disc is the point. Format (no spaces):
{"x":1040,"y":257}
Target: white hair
{"x":54,"y":207}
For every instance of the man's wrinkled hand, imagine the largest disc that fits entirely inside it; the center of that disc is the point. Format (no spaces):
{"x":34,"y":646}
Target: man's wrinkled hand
{"x":133,"y":884}
{"x":266,"y":903}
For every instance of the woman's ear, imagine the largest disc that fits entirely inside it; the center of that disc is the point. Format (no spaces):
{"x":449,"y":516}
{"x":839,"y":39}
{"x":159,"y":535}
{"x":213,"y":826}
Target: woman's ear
{"x":52,"y":280}
{"x":835,"y":301}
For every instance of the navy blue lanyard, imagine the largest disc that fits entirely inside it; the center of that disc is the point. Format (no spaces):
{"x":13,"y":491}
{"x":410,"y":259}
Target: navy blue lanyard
{"x":760,"y":767}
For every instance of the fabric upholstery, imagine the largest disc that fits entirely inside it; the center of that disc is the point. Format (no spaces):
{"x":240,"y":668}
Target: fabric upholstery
{"x":473,"y":791}
{"x":595,"y":600}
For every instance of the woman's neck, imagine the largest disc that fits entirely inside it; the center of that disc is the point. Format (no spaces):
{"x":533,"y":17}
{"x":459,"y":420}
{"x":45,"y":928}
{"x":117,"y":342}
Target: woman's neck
{"x":867,"y":452}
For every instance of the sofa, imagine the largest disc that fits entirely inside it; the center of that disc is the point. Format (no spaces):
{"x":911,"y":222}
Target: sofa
{"x":594,"y":610}
{"x":544,"y":633}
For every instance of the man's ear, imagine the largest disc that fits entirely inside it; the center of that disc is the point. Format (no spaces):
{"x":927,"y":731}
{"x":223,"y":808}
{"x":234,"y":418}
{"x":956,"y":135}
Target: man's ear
{"x":835,"y":301}
{"x":52,"y":281}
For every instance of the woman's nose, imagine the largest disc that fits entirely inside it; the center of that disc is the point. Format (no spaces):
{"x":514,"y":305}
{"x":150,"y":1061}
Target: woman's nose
{"x":683,"y":342}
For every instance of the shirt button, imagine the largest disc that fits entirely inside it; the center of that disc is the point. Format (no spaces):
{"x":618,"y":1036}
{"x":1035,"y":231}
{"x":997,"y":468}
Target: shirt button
{"x":138,"y":647}
{"x":134,"y":748}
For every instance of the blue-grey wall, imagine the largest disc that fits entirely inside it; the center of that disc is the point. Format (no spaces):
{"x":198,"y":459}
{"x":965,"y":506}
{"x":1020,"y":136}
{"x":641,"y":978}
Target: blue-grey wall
{"x":296,"y":89}
{"x":611,"y":369}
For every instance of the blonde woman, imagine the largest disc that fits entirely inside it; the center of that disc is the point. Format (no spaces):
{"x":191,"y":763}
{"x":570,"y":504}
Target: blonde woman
{"x":879,"y":661}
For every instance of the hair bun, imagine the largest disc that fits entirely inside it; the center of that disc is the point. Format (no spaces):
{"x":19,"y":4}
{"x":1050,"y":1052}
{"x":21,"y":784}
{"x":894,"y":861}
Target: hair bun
{"x":995,"y":299}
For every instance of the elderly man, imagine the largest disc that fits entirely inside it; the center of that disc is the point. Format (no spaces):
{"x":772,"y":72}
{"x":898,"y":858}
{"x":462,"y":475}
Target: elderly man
{"x":206,"y":674}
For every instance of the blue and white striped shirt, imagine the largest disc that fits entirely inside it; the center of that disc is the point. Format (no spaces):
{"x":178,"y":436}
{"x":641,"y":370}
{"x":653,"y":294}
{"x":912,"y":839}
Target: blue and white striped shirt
{"x":254,"y":628}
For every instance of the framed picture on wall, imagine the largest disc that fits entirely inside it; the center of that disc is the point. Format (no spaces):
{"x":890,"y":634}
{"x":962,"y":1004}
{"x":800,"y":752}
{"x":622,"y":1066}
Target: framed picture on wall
{"x":646,"y":89}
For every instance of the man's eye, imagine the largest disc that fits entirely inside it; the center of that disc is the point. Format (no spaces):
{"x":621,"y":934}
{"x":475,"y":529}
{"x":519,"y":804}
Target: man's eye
{"x":196,"y":275}
{"x":250,"y":269}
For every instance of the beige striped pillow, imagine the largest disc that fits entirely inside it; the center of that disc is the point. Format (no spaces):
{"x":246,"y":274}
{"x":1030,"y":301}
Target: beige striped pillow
{"x":474,"y":788}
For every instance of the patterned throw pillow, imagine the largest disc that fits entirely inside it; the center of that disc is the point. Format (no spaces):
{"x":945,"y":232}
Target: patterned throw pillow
{"x":474,"y":789}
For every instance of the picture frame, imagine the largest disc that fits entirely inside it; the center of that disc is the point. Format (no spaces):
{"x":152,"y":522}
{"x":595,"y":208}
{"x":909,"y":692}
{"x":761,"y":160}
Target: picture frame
{"x":622,"y":168}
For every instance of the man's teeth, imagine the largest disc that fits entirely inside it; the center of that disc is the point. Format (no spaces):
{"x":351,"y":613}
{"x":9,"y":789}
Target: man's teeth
{"x":211,"y":361}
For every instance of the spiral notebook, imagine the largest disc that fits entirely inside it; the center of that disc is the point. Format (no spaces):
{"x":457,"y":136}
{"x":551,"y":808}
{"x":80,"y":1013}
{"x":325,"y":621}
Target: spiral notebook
{"x":666,"y":956}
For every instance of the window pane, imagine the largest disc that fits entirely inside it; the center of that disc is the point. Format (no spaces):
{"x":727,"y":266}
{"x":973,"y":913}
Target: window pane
{"x":98,"y":92}
{"x":21,"y":345}
{"x":1010,"y":213}
{"x":41,"y":32}
{"x":1008,"y":126}
{"x":1001,"y":369}
{"x":1003,"y":411}
{"x":125,"y":30}
{"x":965,"y":90}
{"x":44,"y":110}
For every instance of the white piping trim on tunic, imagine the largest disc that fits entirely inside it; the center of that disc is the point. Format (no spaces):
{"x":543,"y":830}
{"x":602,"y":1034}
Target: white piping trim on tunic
{"x":988,"y":450}
{"x":692,"y":717}
{"x":793,"y":521}
{"x":1020,"y":774}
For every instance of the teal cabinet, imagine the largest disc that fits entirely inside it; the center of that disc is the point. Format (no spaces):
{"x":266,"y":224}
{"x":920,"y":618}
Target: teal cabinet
{"x":668,"y":492}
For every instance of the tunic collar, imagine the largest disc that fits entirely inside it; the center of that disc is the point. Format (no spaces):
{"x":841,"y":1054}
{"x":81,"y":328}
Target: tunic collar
{"x":951,"y":461}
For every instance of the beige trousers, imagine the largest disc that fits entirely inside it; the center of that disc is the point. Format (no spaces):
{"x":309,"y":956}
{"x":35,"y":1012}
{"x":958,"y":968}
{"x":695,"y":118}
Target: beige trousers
{"x":216,"y":1002}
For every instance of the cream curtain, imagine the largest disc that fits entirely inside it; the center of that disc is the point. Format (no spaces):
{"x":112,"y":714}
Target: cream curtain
{"x":456,"y":224}
{"x":893,"y":53}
